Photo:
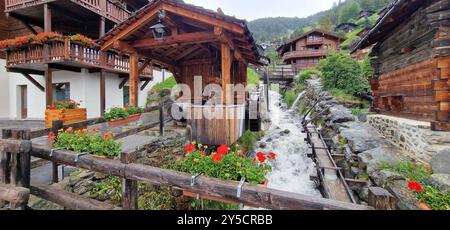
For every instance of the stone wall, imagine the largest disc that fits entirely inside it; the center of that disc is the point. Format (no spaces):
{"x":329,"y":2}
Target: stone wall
{"x":415,"y":137}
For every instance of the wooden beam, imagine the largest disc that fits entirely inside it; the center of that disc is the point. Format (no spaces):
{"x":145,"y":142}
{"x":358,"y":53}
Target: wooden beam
{"x":182,"y":39}
{"x":145,"y":84}
{"x":27,"y":20}
{"x":131,"y":28}
{"x":47,"y":18}
{"x":102,"y":26}
{"x":187,"y":52}
{"x":250,"y":195}
{"x":32,"y":80}
{"x":203,"y":18}
{"x":134,"y":80}
{"x":124,"y":47}
{"x":56,"y":66}
{"x":26,"y":71}
{"x":124,"y":81}
{"x":48,"y":86}
{"x":226,"y":72}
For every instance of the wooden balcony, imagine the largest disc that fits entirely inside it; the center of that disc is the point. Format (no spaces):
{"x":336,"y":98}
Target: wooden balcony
{"x":315,"y":41}
{"x":70,"y":54}
{"x":103,"y":8}
{"x":305,"y":53}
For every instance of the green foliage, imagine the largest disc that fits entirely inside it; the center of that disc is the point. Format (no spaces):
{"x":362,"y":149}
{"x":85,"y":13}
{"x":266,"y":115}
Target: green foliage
{"x":249,"y":139}
{"x":340,"y":71}
{"x":82,"y":141}
{"x":252,"y":77}
{"x":132,"y":110}
{"x":154,"y":198}
{"x":408,"y":169}
{"x":349,"y":11}
{"x":169,"y":83}
{"x":231,"y":166}
{"x":435,"y":198}
{"x":112,"y":184}
{"x":306,"y":75}
{"x":366,"y":68}
{"x":115,"y":113}
{"x":212,"y":205}
{"x":71,"y":104}
{"x":356,"y":111}
{"x":351,"y":38}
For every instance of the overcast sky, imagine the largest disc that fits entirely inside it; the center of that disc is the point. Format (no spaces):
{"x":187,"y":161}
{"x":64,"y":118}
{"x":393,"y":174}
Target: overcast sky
{"x":254,"y":9}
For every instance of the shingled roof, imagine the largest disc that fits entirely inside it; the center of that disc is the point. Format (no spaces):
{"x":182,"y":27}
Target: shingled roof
{"x":316,"y":30}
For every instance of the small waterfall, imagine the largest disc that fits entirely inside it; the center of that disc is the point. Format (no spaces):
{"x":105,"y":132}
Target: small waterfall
{"x":300,"y":96}
{"x":292,"y":169}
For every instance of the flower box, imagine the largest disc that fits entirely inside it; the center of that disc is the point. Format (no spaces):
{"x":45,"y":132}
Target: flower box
{"x":220,"y":199}
{"x":124,"y":121}
{"x":66,"y":115}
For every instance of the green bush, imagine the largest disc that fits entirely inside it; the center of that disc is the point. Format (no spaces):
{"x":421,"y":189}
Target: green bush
{"x":115,"y":113}
{"x":169,"y":83}
{"x":134,"y":110}
{"x":252,"y":77}
{"x":306,"y":75}
{"x":340,"y":71}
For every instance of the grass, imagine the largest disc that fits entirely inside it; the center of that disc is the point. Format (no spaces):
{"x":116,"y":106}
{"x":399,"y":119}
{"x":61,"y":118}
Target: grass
{"x":341,"y":96}
{"x":356,"y":111}
{"x":433,"y":196}
{"x":252,"y":78}
{"x":169,"y":83}
{"x":351,"y":37}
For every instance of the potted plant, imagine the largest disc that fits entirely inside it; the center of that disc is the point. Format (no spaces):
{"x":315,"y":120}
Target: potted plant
{"x":121,"y":116}
{"x":81,"y":141}
{"x":66,"y":111}
{"x":35,"y":39}
{"x":224,"y":163}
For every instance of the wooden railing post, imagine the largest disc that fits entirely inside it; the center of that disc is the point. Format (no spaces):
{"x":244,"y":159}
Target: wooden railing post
{"x":161,"y":119}
{"x":56,"y":126}
{"x":381,"y":199}
{"x":129,"y":187}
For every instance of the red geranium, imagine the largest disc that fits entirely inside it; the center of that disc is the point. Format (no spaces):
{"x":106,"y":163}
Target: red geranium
{"x":202,"y":152}
{"x":51,"y":135}
{"x":217,"y":157}
{"x":190,"y":148}
{"x":223,"y":149}
{"x":261,"y":157}
{"x":415,"y":186}
{"x":272,"y":156}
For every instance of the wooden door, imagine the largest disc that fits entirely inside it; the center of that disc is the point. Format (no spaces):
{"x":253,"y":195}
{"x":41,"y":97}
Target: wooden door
{"x":23,"y":102}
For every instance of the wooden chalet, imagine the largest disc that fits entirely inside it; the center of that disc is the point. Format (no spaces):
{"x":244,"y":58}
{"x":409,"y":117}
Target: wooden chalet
{"x":68,"y":17}
{"x":365,"y":13}
{"x":196,"y":42}
{"x":305,"y":50}
{"x":346,"y":27}
{"x":411,"y":59}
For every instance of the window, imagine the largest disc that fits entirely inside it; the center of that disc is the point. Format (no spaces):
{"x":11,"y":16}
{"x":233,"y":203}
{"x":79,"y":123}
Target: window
{"x":61,"y":92}
{"x":126,"y":95}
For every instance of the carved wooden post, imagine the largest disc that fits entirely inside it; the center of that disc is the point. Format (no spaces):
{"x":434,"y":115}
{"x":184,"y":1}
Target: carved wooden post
{"x":381,"y":199}
{"x":56,"y":126}
{"x":129,"y":187}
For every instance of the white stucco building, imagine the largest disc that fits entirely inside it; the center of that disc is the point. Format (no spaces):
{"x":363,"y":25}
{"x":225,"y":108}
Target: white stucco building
{"x":18,"y":93}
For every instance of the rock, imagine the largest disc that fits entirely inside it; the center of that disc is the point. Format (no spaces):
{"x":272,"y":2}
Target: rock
{"x":406,"y":200}
{"x":370,"y":159}
{"x":86,"y":174}
{"x":354,"y":170}
{"x":287,"y":131}
{"x":340,"y":114}
{"x":361,"y":137}
{"x":83,"y":187}
{"x":442,"y":181}
{"x":440,"y":163}
{"x":262,"y":145}
{"x":99,"y":176}
{"x":362,"y":117}
{"x":383,"y":177}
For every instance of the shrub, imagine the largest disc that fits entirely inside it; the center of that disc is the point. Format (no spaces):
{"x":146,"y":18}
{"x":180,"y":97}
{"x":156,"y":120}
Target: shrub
{"x":82,"y":141}
{"x":169,"y":83}
{"x":340,"y":71}
{"x":132,"y":110}
{"x":306,"y":75}
{"x":252,"y":77}
{"x":115,"y":113}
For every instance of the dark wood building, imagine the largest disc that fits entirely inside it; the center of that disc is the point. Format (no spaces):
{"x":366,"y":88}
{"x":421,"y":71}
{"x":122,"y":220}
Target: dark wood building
{"x":305,"y":50}
{"x":346,"y":27}
{"x":411,"y":59}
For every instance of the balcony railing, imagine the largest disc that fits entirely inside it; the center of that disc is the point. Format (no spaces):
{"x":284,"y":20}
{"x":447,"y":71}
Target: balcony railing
{"x":315,"y":41}
{"x":64,"y":51}
{"x":305,"y":53}
{"x":104,"y":8}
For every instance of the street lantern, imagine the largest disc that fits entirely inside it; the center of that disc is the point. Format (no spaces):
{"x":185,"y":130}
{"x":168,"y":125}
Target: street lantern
{"x":159,"y":30}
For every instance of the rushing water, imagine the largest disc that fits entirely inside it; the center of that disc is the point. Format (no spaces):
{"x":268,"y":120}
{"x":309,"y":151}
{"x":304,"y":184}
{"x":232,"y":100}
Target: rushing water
{"x":292,"y":169}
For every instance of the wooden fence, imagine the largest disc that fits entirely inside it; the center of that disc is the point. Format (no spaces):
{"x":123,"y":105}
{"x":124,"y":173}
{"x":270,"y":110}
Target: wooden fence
{"x":131,"y":173}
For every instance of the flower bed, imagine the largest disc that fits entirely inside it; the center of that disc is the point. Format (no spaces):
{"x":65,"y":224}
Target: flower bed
{"x":122,"y":116}
{"x":42,"y":38}
{"x":82,"y":141}
{"x":224,"y":163}
{"x":66,"y":111}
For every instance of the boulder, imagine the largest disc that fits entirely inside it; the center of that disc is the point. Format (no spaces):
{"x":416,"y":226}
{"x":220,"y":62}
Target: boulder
{"x":361,"y":137}
{"x":340,"y":114}
{"x":370,"y":159}
{"x":440,"y":163}
{"x":442,"y":181}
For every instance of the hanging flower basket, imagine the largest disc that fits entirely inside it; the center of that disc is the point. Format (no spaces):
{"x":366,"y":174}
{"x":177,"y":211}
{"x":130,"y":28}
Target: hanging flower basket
{"x":66,"y":111}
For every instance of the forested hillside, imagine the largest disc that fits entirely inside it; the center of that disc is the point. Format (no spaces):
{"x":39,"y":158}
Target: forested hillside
{"x":270,"y":29}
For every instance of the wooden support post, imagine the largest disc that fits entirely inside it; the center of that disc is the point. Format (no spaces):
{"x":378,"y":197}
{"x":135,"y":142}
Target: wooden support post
{"x":102,"y":28}
{"x":48,"y":86}
{"x":381,"y":199}
{"x":226,"y":72}
{"x":47,"y":18}
{"x":102,"y":92}
{"x":161,"y":119}
{"x":129,"y":187}
{"x":56,"y":126}
{"x":134,"y":79}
